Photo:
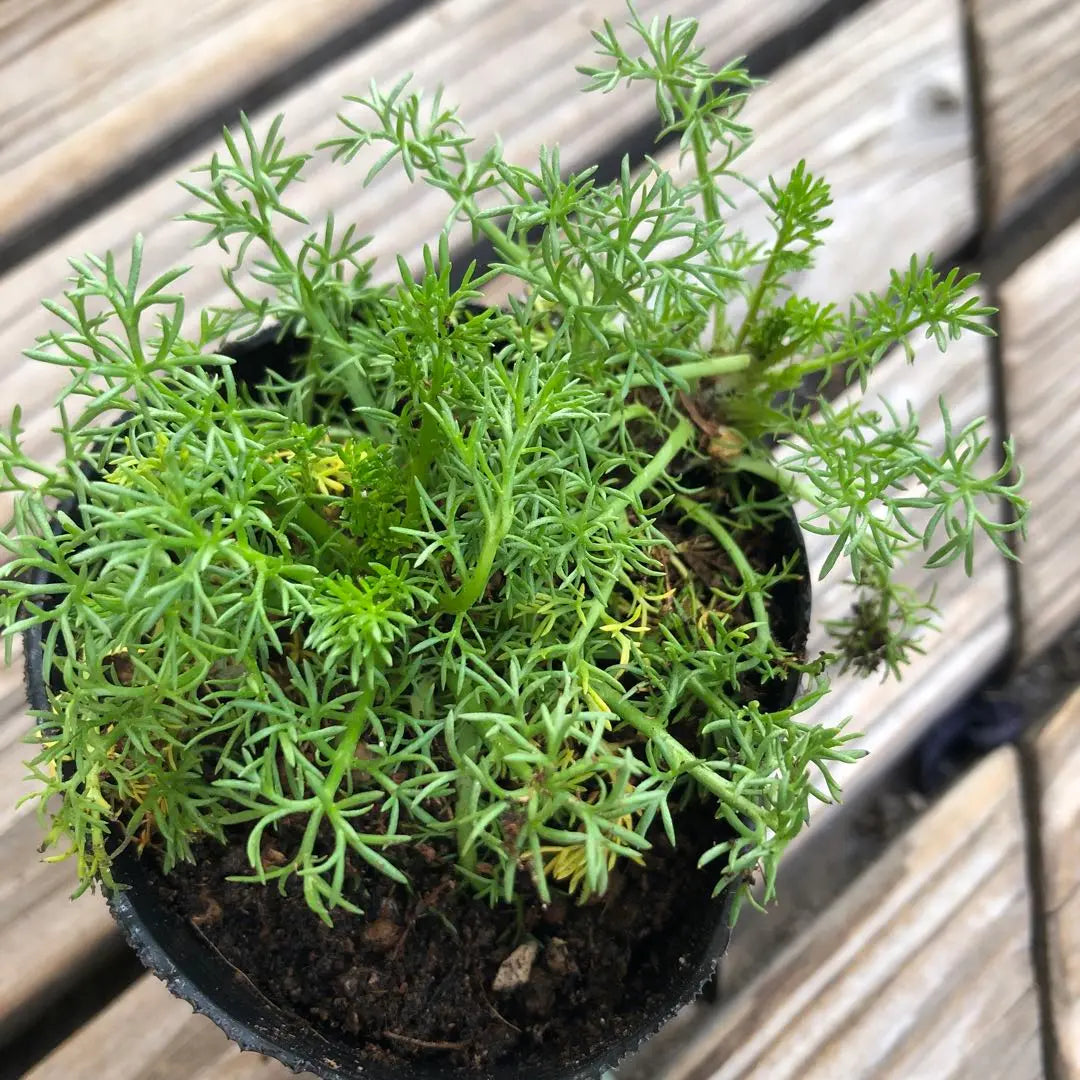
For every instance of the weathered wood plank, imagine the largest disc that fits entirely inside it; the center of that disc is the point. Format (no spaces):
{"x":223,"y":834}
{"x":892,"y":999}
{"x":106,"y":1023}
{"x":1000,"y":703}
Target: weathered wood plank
{"x":921,"y":969}
{"x":12,"y":690}
{"x":15,"y":723}
{"x":24,"y":24}
{"x":1058,"y":754}
{"x":1040,"y":319}
{"x":48,"y":942}
{"x":147,"y":1034}
{"x":1028,"y":58}
{"x":12,"y":773}
{"x":233,"y":1065}
{"x":889,"y":128}
{"x":892,"y":160}
{"x":89,"y":86}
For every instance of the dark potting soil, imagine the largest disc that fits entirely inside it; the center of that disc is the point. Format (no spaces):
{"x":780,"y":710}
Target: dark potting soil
{"x":435,"y":973}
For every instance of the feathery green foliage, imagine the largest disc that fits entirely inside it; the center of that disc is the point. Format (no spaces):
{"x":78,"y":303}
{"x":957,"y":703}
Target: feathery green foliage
{"x":441,"y":580}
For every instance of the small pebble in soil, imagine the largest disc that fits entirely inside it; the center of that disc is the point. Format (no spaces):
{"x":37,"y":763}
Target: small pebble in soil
{"x":557,"y":957}
{"x":382,"y":934}
{"x":515,"y":970}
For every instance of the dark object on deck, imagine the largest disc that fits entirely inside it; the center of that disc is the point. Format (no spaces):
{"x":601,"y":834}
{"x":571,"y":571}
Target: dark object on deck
{"x":967,"y":732}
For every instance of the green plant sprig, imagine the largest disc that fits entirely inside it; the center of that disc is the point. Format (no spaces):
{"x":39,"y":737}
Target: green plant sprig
{"x":434,"y":584}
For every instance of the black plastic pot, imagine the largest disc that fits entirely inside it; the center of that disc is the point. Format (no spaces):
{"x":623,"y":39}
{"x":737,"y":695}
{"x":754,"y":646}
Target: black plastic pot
{"x":170,"y":947}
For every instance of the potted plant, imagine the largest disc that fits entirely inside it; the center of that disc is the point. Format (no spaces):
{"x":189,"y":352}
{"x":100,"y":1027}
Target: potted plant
{"x":423,"y":680}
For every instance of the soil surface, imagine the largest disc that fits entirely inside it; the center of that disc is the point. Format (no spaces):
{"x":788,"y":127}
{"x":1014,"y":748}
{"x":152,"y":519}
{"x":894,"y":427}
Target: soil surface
{"x":434,"y":973}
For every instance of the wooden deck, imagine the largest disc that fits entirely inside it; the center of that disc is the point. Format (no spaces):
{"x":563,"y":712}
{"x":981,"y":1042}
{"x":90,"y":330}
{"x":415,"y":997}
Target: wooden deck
{"x":939,"y":124}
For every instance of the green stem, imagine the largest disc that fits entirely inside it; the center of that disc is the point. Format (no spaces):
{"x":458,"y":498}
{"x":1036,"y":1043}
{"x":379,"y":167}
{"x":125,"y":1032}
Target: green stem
{"x":784,"y":480}
{"x":818,"y":364}
{"x":474,"y":587}
{"x":465,"y":786}
{"x":795,"y":488}
{"x":326,"y":793}
{"x":697,"y":512}
{"x":325,"y":535}
{"x":700,"y":144}
{"x":674,"y":444}
{"x":498,"y":526}
{"x":707,"y":697}
{"x":756,"y":297}
{"x":701,"y":369}
{"x":345,"y":754}
{"x":421,"y":463}
{"x":677,"y":755}
{"x":709,"y":200}
{"x":324,"y":330}
{"x":514,"y":253}
{"x":637,"y":411}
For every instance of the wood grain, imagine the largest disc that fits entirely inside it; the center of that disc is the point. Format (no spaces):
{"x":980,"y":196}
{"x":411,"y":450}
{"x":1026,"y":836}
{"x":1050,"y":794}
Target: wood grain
{"x":1028,"y":60}
{"x":147,"y":1034}
{"x":15,"y":724}
{"x":25,"y":24}
{"x":1040,"y":325}
{"x":90,"y":97}
{"x":1058,"y":753}
{"x":86,"y":87}
{"x":921,"y":969}
{"x":233,"y":1065}
{"x":892,"y":160}
{"x":48,"y":941}
{"x":863,"y":107}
